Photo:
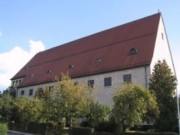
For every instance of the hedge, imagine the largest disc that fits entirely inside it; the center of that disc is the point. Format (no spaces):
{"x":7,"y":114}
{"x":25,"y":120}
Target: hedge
{"x":3,"y":129}
{"x":82,"y":131}
{"x":149,"y":133}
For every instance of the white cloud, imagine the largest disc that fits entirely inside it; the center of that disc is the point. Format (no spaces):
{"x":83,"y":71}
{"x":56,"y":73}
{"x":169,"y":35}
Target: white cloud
{"x":12,"y":61}
{"x":36,"y":46}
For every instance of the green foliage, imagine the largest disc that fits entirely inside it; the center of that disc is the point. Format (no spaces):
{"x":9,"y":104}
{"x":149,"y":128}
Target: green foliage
{"x":6,"y":107}
{"x":82,"y":131}
{"x":10,"y":91}
{"x":149,"y":133}
{"x":28,"y":110}
{"x":163,"y":83}
{"x":131,"y":105}
{"x":67,"y":101}
{"x":98,"y":113}
{"x":43,"y":94}
{"x":3,"y":129}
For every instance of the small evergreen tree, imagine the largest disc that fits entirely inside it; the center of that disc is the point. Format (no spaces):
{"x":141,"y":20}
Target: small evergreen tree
{"x":163,"y":82}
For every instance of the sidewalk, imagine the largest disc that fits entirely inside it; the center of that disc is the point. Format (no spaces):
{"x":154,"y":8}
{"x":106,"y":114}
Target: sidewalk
{"x":11,"y":132}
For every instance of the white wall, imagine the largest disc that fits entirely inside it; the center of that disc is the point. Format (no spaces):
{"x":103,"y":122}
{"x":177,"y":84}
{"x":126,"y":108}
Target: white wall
{"x":103,"y":94}
{"x":162,"y":49}
{"x":35,"y":88}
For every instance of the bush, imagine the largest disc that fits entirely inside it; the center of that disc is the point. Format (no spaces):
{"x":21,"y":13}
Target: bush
{"x":106,"y":126}
{"x":98,"y":113}
{"x":82,"y":131}
{"x":3,"y":129}
{"x":148,"y":133}
{"x":142,"y":127}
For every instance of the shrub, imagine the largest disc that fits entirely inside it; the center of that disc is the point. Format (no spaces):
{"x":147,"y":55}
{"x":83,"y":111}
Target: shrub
{"x":3,"y":129}
{"x":148,"y":133}
{"x":106,"y":126}
{"x":98,"y":113}
{"x":82,"y":131}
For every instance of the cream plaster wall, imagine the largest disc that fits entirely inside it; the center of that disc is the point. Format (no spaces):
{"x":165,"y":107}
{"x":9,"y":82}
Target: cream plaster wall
{"x":35,"y":88}
{"x":101,"y":93}
{"x":162,"y":49}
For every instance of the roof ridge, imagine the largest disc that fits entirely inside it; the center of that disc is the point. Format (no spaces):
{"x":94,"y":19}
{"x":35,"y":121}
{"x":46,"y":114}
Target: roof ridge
{"x":102,"y":31}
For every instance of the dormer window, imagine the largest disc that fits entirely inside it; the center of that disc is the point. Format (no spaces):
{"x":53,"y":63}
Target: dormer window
{"x":71,"y":66}
{"x":98,"y":60}
{"x":31,"y":75}
{"x":26,"y":68}
{"x":133,"y":51}
{"x":49,"y":71}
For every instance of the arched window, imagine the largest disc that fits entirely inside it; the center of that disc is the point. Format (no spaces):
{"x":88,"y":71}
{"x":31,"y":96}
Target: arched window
{"x":133,"y":51}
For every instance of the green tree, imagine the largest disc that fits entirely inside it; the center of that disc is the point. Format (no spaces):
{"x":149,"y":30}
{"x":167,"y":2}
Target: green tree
{"x":131,"y":105}
{"x":11,"y":91}
{"x":6,"y":107}
{"x":28,"y":110}
{"x":98,"y":113}
{"x":43,"y":94}
{"x":67,"y":101}
{"x":163,"y":83}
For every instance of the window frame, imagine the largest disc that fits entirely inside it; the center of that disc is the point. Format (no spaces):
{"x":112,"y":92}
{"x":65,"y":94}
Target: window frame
{"x":107,"y":81}
{"x":30,"y":92}
{"x":22,"y":92}
{"x":91,"y":83}
{"x":127,"y":78}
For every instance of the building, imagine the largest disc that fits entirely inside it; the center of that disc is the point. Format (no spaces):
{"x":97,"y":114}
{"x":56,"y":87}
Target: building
{"x":105,"y":60}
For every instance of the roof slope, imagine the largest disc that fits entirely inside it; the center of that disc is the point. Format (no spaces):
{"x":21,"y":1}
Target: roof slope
{"x":105,"y":51}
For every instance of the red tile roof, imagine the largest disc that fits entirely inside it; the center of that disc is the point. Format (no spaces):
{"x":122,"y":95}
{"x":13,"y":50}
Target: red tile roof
{"x":105,"y":51}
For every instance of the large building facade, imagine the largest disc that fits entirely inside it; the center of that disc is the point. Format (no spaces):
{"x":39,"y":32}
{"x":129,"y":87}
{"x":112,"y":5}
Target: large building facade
{"x":105,"y":60}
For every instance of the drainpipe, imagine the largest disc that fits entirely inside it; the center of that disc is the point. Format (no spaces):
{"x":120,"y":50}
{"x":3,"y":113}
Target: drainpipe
{"x":178,"y":116}
{"x":145,"y":77}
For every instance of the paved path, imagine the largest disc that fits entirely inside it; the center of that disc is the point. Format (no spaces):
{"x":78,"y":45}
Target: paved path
{"x":11,"y":132}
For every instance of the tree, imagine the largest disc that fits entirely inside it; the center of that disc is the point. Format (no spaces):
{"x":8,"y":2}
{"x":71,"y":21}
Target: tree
{"x":67,"y":100}
{"x":6,"y":107}
{"x":43,"y":94}
{"x":163,"y":83}
{"x":11,"y":91}
{"x":28,"y":110}
{"x":131,"y":105}
{"x":98,"y":113}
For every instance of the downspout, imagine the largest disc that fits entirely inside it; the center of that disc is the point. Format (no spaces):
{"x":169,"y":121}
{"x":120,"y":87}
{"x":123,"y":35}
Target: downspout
{"x":145,"y":77}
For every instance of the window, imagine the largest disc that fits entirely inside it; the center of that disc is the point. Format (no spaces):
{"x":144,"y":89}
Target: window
{"x":76,"y":83}
{"x":13,"y":84}
{"x":19,"y":81}
{"x":51,"y":88}
{"x":98,"y":60}
{"x":133,"y":51}
{"x":71,"y":66}
{"x":30,"y":92}
{"x":162,"y":36}
{"x":22,"y":92}
{"x":26,"y":68}
{"x":127,"y":78}
{"x":107,"y":81}
{"x":91,"y":83}
{"x":48,"y":71}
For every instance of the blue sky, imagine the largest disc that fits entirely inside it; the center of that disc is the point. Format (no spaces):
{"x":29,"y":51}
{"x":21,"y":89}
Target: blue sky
{"x":30,"y":26}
